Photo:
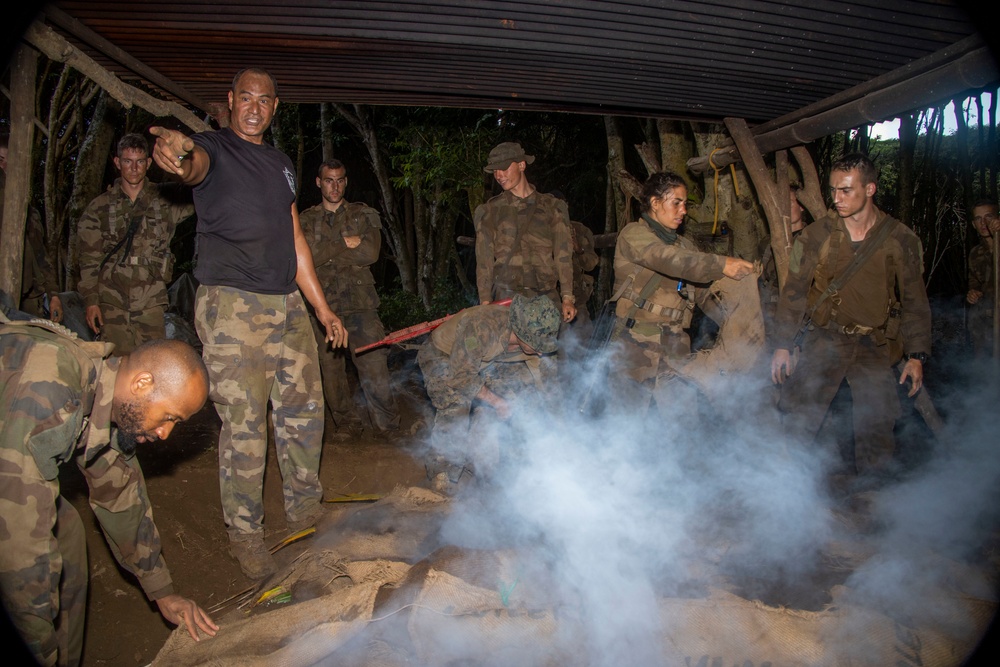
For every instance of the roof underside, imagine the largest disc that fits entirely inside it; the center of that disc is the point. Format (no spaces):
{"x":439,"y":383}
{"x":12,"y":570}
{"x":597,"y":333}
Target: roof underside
{"x":702,"y":59}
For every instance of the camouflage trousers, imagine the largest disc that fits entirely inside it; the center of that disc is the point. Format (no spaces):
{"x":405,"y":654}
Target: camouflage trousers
{"x":43,"y":566}
{"x":363,"y":328}
{"x":132,"y":305}
{"x":128,"y":330}
{"x":827,"y":359}
{"x":260,"y":348}
{"x":646,"y":383}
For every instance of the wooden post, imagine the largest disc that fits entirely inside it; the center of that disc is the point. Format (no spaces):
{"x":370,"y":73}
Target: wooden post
{"x":23,"y":71}
{"x":811,"y":194}
{"x":776,"y":203}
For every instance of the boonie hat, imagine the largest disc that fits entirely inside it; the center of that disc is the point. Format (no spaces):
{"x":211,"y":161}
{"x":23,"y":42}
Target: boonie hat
{"x":535,"y":321}
{"x":504,"y":154}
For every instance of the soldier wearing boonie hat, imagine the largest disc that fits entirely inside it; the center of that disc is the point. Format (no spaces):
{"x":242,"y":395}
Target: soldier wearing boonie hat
{"x":504,"y":155}
{"x":523,"y":238}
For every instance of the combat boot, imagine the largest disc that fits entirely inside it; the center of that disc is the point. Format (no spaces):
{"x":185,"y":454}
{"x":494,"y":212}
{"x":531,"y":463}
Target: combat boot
{"x":254,"y":558}
{"x":309,"y":520}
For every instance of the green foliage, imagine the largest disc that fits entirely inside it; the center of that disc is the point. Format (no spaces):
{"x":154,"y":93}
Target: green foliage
{"x":400,"y":309}
{"x":443,"y":151}
{"x":449,"y":298}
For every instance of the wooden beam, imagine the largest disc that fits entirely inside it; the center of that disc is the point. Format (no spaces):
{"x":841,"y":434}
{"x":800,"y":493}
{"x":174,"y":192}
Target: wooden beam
{"x":971,"y":71}
{"x":91,"y":38}
{"x":56,"y":48}
{"x":23,"y":72}
{"x":811,"y":194}
{"x":777,"y":205}
{"x":38,"y":124}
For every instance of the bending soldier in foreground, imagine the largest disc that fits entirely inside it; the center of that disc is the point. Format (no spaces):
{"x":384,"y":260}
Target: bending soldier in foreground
{"x":125,"y":258}
{"x":851,"y":334}
{"x":62,"y":399}
{"x":345,"y":239}
{"x":659,"y":276}
{"x":481,"y":355}
{"x":258,"y":340}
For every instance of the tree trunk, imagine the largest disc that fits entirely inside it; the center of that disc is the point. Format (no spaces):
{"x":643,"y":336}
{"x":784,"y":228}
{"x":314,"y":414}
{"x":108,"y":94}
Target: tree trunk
{"x":907,"y":172}
{"x":326,"y":130}
{"x":993,"y":150}
{"x":89,"y":174}
{"x":616,"y":214}
{"x":675,"y":150}
{"x":400,"y":243}
{"x":962,"y":148}
{"x":707,"y":138}
{"x":773,"y":194}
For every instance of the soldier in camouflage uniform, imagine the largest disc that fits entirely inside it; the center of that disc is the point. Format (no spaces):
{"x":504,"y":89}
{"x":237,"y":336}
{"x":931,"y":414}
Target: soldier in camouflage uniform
{"x":345,"y":239}
{"x":125,"y":258}
{"x":523,"y":239}
{"x":63,"y":399}
{"x":253,"y":260}
{"x":486,"y":354}
{"x":980,"y":296}
{"x":659,"y":277}
{"x":38,"y":278}
{"x":853,"y":333}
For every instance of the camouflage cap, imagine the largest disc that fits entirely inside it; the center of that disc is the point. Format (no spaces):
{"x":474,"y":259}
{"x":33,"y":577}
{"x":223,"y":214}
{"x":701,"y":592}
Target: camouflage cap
{"x":535,"y":321}
{"x":504,"y":154}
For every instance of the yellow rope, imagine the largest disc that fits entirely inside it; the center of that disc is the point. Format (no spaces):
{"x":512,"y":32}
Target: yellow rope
{"x":736,"y":186}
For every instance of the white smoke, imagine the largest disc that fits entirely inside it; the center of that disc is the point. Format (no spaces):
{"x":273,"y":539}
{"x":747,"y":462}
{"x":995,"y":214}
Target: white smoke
{"x":626,"y":511}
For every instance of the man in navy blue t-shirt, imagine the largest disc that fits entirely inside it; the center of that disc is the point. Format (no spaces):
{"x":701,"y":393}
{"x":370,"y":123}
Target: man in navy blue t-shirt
{"x":250,"y":315}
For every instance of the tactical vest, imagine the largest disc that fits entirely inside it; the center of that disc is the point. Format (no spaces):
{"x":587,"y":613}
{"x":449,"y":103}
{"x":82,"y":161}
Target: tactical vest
{"x":828,"y":314}
{"x":164,"y":266}
{"x":667,"y":301}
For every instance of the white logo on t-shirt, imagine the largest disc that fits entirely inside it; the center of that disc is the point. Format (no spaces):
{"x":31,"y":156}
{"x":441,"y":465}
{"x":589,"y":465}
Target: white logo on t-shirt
{"x":290,"y":177}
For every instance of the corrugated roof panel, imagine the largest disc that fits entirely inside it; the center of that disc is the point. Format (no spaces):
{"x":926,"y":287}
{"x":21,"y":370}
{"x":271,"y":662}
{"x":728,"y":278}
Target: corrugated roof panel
{"x":706,"y":59}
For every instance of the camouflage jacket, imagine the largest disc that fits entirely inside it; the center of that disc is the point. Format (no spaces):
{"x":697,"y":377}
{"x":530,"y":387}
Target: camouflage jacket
{"x":981,"y":270}
{"x":57,"y":394}
{"x":585,"y":258}
{"x":893,"y":274}
{"x":684,"y":273}
{"x":343,"y":272}
{"x":138,"y":280}
{"x":544,"y":253}
{"x":475,"y":338}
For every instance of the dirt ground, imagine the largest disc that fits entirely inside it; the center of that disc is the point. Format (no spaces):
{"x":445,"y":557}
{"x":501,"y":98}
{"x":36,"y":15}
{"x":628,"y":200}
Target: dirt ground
{"x":123,"y":628}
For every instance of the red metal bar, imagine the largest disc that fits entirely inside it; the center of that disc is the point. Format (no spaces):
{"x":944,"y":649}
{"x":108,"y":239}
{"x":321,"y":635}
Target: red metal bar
{"x":417,"y":330}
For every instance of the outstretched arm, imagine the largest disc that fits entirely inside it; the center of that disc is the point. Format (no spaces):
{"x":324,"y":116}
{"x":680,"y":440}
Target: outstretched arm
{"x":177,"y":154}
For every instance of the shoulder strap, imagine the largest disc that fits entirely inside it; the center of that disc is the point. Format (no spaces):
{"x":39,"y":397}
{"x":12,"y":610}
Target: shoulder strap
{"x":868,"y":247}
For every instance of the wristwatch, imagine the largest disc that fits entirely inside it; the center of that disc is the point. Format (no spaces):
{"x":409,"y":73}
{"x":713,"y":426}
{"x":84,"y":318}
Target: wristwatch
{"x":922,"y":357}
